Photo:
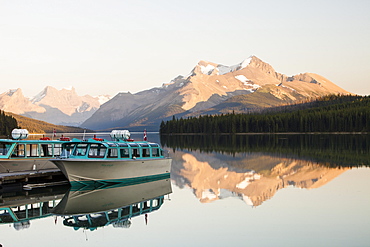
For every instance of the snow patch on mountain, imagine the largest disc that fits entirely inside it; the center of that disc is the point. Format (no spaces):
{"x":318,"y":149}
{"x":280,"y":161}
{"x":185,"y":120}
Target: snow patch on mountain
{"x":247,"y":200}
{"x":103,"y":98}
{"x":208,"y":194}
{"x":223,"y":69}
{"x":38,"y":97}
{"x":167,"y":84}
{"x":281,"y":85}
{"x":207,"y":70}
{"x":250,"y":176}
{"x":70,"y":88}
{"x":242,"y":78}
{"x":248,"y":83}
{"x":11,"y":92}
{"x":246,"y":62}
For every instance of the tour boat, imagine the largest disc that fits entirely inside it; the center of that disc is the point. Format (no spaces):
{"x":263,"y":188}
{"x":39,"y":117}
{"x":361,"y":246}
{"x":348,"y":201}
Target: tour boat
{"x":26,"y":156}
{"x":118,"y":160}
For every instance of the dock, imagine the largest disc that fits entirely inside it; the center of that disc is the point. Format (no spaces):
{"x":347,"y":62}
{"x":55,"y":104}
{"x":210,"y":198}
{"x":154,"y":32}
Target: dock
{"x":32,"y":179}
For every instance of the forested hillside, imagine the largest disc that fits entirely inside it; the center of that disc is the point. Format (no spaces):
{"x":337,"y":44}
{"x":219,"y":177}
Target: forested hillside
{"x":7,"y":123}
{"x":333,"y":113}
{"x":37,"y":126}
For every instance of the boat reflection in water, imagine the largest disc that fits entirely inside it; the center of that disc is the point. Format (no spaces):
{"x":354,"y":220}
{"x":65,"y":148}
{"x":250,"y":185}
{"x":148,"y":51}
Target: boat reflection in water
{"x":90,"y":208}
{"x":21,"y":207}
{"x":87,"y":207}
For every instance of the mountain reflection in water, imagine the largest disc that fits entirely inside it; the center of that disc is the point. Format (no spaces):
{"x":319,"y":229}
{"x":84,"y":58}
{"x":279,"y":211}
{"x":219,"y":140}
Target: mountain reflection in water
{"x":254,"y":167}
{"x":87,"y":207}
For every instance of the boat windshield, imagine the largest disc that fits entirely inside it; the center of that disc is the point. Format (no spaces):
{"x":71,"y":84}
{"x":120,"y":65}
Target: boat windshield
{"x":80,"y":150}
{"x":97,"y":151}
{"x":67,"y":149}
{"x":4,"y":148}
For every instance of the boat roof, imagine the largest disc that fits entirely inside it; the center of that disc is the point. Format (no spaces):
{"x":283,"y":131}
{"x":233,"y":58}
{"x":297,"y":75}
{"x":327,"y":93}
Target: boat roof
{"x":33,"y":141}
{"x":115,"y":143}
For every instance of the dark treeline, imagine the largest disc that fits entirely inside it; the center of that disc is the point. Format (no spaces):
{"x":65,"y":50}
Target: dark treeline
{"x":339,"y":150}
{"x":7,"y":123}
{"x":332,"y":113}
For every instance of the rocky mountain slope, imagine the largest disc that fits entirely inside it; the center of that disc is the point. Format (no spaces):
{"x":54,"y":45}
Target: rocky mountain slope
{"x":210,"y":88}
{"x":14,"y":101}
{"x":64,"y":107}
{"x":40,"y":127}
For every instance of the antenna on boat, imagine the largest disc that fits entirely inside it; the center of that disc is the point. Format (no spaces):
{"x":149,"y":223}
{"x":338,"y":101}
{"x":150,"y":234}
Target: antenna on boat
{"x":83,"y":137}
{"x":84,"y":230}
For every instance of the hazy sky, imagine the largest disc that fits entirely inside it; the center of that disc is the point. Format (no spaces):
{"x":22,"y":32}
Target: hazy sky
{"x":111,"y":46}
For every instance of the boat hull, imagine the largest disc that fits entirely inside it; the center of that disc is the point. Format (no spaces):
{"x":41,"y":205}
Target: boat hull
{"x":82,"y":170}
{"x":25,"y":165}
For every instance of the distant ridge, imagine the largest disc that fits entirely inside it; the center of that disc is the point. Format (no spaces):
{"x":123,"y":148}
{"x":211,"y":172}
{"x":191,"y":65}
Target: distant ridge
{"x":61,"y":107}
{"x":210,"y":88}
{"x":41,"y":127}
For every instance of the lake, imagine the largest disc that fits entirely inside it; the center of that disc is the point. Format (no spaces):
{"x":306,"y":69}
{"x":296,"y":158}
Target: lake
{"x":234,"y":190}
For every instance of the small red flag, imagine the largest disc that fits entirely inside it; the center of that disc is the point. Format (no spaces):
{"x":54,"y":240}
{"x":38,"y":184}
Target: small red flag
{"x":145,"y":137}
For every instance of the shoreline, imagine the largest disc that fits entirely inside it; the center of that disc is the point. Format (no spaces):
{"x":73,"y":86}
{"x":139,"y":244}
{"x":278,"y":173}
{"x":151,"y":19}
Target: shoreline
{"x":275,"y":133}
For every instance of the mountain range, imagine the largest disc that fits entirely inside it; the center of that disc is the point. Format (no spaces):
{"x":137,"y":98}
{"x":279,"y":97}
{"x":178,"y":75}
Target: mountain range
{"x":209,"y":88}
{"x":61,"y":107}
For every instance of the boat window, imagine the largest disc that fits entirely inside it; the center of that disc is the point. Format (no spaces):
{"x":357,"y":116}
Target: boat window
{"x":155,"y":152}
{"x":112,"y":153}
{"x":110,"y":144}
{"x":32,"y":150}
{"x":46,"y":150}
{"x":154,"y":145}
{"x":97,"y":151}
{"x":146,"y":205}
{"x":122,"y":144}
{"x":124,"y":153}
{"x":133,"y":145}
{"x":135,"y":152}
{"x":19,"y":151}
{"x":155,"y":202}
{"x":65,"y":150}
{"x":51,"y":148}
{"x":146,"y":152}
{"x":4,"y":148}
{"x":80,"y":150}
{"x":144,"y":145}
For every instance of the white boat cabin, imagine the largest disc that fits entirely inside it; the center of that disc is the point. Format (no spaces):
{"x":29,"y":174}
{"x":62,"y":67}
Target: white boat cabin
{"x":96,"y":149}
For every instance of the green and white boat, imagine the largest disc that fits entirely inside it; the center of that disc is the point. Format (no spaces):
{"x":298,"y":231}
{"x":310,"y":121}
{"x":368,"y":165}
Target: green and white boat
{"x":119,"y":160}
{"x":27,"y":156}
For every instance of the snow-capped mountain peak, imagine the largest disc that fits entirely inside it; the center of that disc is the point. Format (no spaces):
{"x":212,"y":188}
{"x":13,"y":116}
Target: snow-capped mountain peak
{"x":103,"y":98}
{"x":209,"y":68}
{"x":62,"y":106}
{"x":13,"y":91}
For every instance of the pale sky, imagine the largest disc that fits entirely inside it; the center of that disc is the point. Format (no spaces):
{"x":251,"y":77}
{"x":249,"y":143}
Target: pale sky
{"x":106,"y":47}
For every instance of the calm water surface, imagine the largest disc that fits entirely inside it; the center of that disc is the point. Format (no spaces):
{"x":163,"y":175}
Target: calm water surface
{"x":284,"y":190}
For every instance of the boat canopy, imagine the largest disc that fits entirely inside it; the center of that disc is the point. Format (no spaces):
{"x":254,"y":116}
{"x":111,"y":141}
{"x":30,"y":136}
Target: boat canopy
{"x":96,"y":149}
